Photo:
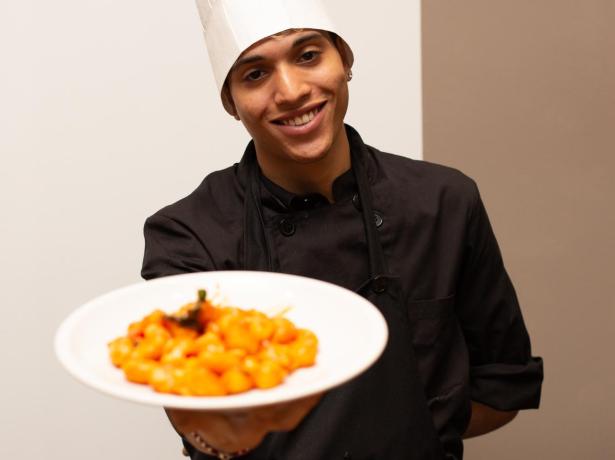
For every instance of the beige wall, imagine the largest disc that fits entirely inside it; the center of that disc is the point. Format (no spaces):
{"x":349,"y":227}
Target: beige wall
{"x":108,"y":111}
{"x":520,"y":95}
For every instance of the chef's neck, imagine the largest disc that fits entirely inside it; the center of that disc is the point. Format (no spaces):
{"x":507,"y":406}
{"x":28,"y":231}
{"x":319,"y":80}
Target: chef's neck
{"x":311,"y":176}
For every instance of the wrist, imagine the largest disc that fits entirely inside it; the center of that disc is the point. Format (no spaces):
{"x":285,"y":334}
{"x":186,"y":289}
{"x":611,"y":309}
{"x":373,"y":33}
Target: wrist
{"x":201,"y":444}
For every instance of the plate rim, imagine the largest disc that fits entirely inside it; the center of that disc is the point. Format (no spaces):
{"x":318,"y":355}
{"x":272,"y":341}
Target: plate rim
{"x":218,"y":403}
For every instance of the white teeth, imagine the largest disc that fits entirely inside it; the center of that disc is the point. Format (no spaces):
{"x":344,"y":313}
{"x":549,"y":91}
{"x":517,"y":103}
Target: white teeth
{"x":298,"y":121}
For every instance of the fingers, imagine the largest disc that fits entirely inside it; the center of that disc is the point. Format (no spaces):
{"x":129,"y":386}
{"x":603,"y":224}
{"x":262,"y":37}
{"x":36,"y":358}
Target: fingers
{"x":231,"y":431}
{"x":286,"y":416}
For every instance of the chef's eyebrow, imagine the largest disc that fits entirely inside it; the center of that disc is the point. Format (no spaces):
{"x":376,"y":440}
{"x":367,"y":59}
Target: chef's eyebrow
{"x":306,"y":38}
{"x":255,"y":58}
{"x":247,"y":60}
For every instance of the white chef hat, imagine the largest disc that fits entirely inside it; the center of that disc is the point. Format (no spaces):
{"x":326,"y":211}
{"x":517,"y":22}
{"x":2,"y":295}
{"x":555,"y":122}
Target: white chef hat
{"x":232,"y":26}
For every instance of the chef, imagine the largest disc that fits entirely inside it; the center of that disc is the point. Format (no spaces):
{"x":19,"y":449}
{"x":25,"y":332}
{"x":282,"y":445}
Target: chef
{"x":309,"y":197}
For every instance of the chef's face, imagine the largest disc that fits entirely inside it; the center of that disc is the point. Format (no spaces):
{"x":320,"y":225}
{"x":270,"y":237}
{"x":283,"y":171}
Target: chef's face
{"x":290,"y":91}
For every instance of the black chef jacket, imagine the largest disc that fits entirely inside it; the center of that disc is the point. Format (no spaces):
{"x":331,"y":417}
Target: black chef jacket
{"x":467,"y":329}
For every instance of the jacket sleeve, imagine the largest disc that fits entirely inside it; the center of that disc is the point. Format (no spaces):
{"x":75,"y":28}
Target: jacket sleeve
{"x":171,"y":248}
{"x":503,"y":373}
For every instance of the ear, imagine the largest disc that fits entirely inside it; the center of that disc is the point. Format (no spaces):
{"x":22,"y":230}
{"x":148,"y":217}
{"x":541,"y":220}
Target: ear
{"x":227,"y":101}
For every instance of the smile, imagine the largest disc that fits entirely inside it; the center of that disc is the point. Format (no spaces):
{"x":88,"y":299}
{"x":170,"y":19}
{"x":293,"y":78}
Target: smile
{"x":302,"y":118}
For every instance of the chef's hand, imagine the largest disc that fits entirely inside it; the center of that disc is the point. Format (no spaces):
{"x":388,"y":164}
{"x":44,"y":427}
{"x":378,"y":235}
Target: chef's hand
{"x":232,"y":431}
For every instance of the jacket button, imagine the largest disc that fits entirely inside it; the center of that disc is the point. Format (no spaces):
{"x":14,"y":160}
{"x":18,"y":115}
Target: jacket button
{"x":377,"y":219}
{"x":379,"y":284}
{"x":287,"y":228}
{"x":356,"y":201}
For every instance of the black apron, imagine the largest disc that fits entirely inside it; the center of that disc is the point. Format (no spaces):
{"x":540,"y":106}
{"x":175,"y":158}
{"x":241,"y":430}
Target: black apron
{"x":381,"y":414}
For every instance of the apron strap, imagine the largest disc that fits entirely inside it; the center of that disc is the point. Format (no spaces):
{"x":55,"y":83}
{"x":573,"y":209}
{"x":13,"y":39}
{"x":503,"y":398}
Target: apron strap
{"x":377,"y":264}
{"x":258,"y":249}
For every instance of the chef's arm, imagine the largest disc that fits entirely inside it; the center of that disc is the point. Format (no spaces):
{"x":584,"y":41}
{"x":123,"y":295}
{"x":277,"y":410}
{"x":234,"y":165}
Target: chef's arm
{"x":485,"y":419}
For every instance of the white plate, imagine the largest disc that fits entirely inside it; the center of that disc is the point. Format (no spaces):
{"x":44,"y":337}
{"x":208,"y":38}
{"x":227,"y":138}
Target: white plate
{"x":351,"y":332}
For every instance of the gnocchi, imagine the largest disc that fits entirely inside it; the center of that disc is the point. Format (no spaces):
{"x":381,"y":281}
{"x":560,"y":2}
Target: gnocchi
{"x":212,"y":350}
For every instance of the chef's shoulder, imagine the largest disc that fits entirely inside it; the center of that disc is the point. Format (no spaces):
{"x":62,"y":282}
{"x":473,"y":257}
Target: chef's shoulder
{"x":197,"y":233}
{"x":420,"y":181}
{"x":217,"y":198}
{"x":211,"y":215}
{"x":200,"y":232}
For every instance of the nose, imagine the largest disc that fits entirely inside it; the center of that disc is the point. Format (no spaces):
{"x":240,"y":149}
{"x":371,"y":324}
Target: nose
{"x":291,"y":88}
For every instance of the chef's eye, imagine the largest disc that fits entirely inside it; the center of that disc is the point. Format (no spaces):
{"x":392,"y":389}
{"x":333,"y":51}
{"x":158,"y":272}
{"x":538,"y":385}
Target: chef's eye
{"x":255,"y":75}
{"x":309,"y":56}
